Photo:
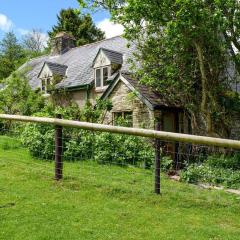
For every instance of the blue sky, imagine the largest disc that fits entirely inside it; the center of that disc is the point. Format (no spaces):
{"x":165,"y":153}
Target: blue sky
{"x":21,"y":16}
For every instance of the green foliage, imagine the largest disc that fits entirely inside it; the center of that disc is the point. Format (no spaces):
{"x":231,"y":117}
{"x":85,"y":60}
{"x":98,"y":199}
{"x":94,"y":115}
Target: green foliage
{"x":39,"y":139}
{"x":7,"y":143}
{"x":123,"y":150}
{"x":166,"y":163}
{"x":79,"y":25}
{"x":182,"y":46}
{"x":17,"y":97}
{"x":97,"y":112}
{"x":224,"y":162}
{"x":82,"y":145}
{"x":217,"y":170}
{"x":12,"y":55}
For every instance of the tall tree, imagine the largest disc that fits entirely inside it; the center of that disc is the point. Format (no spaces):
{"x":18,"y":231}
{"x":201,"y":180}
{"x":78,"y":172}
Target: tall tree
{"x":17,"y":97}
{"x":35,"y":42}
{"x":79,"y":25}
{"x":183,"y":47}
{"x":11,"y":55}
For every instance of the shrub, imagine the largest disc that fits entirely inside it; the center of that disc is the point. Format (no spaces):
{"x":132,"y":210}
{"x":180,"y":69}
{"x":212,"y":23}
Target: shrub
{"x":216,"y":170}
{"x":226,"y":162}
{"x":166,"y":163}
{"x":82,"y":144}
{"x":39,"y":139}
{"x":123,"y":150}
{"x":78,"y":145}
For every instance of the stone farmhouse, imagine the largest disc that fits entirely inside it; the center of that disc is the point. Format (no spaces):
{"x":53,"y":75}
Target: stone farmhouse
{"x":101,"y":70}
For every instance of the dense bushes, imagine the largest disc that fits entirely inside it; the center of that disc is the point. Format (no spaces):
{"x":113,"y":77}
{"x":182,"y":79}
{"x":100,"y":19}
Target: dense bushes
{"x":105,"y":148}
{"x":216,"y":170}
{"x":17,"y":97}
{"x":82,"y":145}
{"x":123,"y":150}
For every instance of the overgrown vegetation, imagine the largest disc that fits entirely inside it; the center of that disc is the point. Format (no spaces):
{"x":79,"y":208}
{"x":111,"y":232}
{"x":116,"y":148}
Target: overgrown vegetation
{"x":217,"y":170}
{"x":79,"y":145}
{"x":12,"y":55}
{"x":186,"y":51}
{"x":17,"y":97}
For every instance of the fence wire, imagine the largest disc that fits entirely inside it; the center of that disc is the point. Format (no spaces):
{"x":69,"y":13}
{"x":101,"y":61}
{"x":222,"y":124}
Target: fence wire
{"x":126,"y":162}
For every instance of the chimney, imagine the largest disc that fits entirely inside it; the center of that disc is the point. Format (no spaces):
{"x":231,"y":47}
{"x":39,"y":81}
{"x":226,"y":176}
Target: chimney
{"x":61,"y":43}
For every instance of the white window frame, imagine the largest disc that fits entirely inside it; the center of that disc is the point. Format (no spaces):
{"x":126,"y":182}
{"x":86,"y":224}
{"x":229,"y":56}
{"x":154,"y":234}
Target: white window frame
{"x":101,"y":76}
{"x":45,"y":80}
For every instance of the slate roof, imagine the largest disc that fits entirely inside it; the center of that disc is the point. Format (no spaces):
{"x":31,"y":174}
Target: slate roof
{"x":155,"y":98}
{"x":56,"y":68}
{"x":79,"y":61}
{"x":113,"y":56}
{"x":145,"y":93}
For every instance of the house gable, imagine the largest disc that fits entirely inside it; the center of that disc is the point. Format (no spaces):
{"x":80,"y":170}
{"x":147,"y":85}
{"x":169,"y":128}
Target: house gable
{"x":121,"y":78}
{"x":51,"y":69}
{"x":101,"y":60}
{"x":125,"y":103}
{"x":45,"y":72}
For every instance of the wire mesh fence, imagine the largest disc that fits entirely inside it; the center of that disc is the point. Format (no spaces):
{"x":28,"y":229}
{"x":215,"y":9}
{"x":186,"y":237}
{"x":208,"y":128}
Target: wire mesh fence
{"x":129,"y":162}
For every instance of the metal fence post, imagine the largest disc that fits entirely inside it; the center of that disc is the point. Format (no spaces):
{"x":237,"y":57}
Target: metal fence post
{"x":58,"y":151}
{"x":157,"y":161}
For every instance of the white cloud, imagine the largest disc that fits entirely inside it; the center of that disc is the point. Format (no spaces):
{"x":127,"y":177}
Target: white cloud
{"x":45,"y":38}
{"x":5,"y":23}
{"x":23,"y":31}
{"x":111,"y":29}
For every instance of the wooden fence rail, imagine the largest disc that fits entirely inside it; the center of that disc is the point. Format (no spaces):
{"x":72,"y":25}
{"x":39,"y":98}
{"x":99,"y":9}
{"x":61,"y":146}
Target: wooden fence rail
{"x":166,"y":136}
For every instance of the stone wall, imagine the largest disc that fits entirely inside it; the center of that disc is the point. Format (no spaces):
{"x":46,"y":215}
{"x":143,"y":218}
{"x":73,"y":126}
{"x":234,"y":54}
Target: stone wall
{"x":123,"y":100}
{"x":81,"y":96}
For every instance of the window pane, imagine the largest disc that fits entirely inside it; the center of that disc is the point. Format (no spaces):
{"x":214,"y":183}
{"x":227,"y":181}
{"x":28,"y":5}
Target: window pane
{"x":98,"y":78}
{"x":117,"y":117}
{"x":48,"y":85}
{"x":43,"y":85}
{"x":105,"y":76}
{"x":123,"y":118}
{"x":128,"y":118}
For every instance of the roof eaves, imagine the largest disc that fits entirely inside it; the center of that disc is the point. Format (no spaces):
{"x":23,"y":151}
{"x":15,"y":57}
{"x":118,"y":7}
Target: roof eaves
{"x":41,"y":70}
{"x":75,"y":88}
{"x":130,"y":86}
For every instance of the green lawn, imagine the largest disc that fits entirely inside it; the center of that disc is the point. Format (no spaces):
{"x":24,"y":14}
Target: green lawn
{"x":103,"y":202}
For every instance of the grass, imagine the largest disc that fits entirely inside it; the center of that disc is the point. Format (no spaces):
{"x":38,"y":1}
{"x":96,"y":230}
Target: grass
{"x":104,"y":202}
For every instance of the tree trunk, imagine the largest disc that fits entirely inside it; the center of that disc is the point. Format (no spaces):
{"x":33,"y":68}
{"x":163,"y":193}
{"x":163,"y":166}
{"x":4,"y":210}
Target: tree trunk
{"x":204,"y":101}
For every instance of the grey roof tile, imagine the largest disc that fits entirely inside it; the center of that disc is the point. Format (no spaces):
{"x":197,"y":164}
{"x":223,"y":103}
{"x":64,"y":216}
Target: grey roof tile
{"x":113,"y":56}
{"x":154,"y":97}
{"x":56,"y":68}
{"x":79,"y":61}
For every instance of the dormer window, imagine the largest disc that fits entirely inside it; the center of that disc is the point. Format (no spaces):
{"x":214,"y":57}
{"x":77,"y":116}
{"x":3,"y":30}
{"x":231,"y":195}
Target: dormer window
{"x":101,"y":76}
{"x":105,"y":64}
{"x":51,"y":74}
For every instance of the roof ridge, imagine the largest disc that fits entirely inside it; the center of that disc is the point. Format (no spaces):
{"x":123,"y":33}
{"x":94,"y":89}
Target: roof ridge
{"x":89,"y":44}
{"x":110,"y":50}
{"x":56,"y":63}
